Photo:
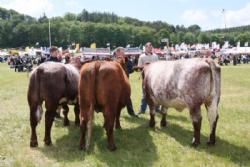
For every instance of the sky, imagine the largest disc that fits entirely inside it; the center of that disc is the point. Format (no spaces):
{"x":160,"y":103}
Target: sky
{"x":206,"y":13}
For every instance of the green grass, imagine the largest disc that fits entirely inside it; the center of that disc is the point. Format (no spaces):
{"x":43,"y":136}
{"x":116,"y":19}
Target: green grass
{"x":138,"y":145}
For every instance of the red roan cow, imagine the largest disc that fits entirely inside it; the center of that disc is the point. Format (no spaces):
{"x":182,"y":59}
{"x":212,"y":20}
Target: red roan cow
{"x":103,"y":86}
{"x":184,"y":84}
{"x":57,"y":85}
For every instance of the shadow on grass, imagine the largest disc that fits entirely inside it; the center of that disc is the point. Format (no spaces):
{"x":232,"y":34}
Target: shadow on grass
{"x":237,"y":154}
{"x":178,"y":118}
{"x":134,"y":147}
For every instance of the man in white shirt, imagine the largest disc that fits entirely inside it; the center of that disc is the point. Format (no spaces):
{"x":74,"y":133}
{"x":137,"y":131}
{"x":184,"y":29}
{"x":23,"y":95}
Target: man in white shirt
{"x":146,"y":58}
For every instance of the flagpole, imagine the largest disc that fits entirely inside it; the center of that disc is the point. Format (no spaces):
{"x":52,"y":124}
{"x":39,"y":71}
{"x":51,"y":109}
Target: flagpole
{"x":224,"y":15}
{"x":49,"y":35}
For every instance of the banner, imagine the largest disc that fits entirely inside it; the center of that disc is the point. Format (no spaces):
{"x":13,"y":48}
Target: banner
{"x":96,"y":51}
{"x":133,"y":51}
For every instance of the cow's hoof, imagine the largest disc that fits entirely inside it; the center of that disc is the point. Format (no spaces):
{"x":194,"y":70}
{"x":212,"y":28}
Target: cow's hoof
{"x":163,"y":123}
{"x":81,"y":147}
{"x":33,"y":143}
{"x":152,"y":124}
{"x":112,"y":147}
{"x":48,"y":142}
{"x":211,"y":142}
{"x":66,"y":123}
{"x":58,"y":116}
{"x":77,"y":123}
{"x":195,"y":144}
{"x":118,"y":127}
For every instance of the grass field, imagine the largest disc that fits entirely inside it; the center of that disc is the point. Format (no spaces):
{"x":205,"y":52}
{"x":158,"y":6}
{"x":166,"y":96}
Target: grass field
{"x":138,"y":145}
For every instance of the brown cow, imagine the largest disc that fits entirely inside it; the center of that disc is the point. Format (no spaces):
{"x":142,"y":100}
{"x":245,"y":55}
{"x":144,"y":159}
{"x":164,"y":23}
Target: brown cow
{"x":103,"y":86}
{"x":184,"y":84}
{"x":57,"y":85}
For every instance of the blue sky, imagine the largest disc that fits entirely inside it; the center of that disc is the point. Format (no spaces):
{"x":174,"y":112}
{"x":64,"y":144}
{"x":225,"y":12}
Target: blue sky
{"x":206,"y":13}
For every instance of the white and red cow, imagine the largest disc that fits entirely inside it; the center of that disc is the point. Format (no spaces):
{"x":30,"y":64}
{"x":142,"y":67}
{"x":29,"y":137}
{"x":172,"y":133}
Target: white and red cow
{"x":184,"y":84}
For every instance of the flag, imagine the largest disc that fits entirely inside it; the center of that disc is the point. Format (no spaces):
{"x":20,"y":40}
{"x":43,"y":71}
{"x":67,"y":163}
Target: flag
{"x":93,"y":45}
{"x":238,"y":44}
{"x":27,"y":49}
{"x":77,"y":46}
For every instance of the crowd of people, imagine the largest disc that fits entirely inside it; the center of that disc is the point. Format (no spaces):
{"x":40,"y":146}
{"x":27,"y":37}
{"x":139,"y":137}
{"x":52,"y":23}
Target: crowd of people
{"x":235,"y":59}
{"x":19,"y":63}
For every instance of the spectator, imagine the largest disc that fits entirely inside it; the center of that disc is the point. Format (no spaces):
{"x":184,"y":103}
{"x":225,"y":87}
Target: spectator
{"x":146,"y":58}
{"x":54,"y":54}
{"x":18,"y":64}
{"x":119,"y":52}
{"x":234,"y":60}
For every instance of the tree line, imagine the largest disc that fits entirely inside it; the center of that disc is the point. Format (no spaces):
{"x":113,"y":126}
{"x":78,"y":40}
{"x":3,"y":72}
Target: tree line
{"x":17,"y":30}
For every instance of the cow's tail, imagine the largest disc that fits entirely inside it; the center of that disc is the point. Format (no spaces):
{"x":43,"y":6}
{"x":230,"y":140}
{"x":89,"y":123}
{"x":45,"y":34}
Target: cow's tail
{"x":39,"y":113}
{"x":215,"y":79}
{"x":93,"y":99}
{"x":39,"y":110}
{"x":214,"y":98}
{"x":33,"y":96}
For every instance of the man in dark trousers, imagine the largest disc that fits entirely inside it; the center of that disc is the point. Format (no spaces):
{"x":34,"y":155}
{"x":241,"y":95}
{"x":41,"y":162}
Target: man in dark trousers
{"x":54,"y":56}
{"x":120,"y":52}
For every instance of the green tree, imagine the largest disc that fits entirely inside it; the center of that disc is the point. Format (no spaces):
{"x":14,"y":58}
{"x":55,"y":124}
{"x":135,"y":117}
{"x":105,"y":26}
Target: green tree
{"x":173,"y":38}
{"x":189,"y":38}
{"x":194,"y":28}
{"x":204,"y":38}
{"x":70,"y":16}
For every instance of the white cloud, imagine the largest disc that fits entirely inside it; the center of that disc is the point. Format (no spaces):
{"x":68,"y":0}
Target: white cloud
{"x":72,"y":6}
{"x":205,"y":19}
{"x":72,"y":3}
{"x":211,"y":19}
{"x":194,"y":15}
{"x":238,"y":17}
{"x":33,"y":8}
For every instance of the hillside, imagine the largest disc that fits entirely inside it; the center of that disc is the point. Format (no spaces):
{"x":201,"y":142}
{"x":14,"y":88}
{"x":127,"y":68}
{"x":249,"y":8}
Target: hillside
{"x":21,"y":30}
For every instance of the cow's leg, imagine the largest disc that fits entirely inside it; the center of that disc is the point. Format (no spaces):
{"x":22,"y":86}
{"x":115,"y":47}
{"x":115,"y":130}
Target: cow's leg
{"x":83,"y":128}
{"x":77,"y":112}
{"x":89,"y":123}
{"x":33,"y":124}
{"x":86,"y":120}
{"x":58,"y":112}
{"x":152,"y":107}
{"x":109,"y":116}
{"x":164,"y":113}
{"x":152,"y":116}
{"x":49,"y":118}
{"x":117,"y":119}
{"x":213,"y":118}
{"x":65,"y":113}
{"x":195,"y":114}
{"x":151,"y":110}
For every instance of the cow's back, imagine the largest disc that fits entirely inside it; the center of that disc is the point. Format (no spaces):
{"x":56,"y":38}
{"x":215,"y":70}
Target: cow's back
{"x":112,"y":84}
{"x":179,"y":84}
{"x":103,"y":82}
{"x":52,"y":81}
